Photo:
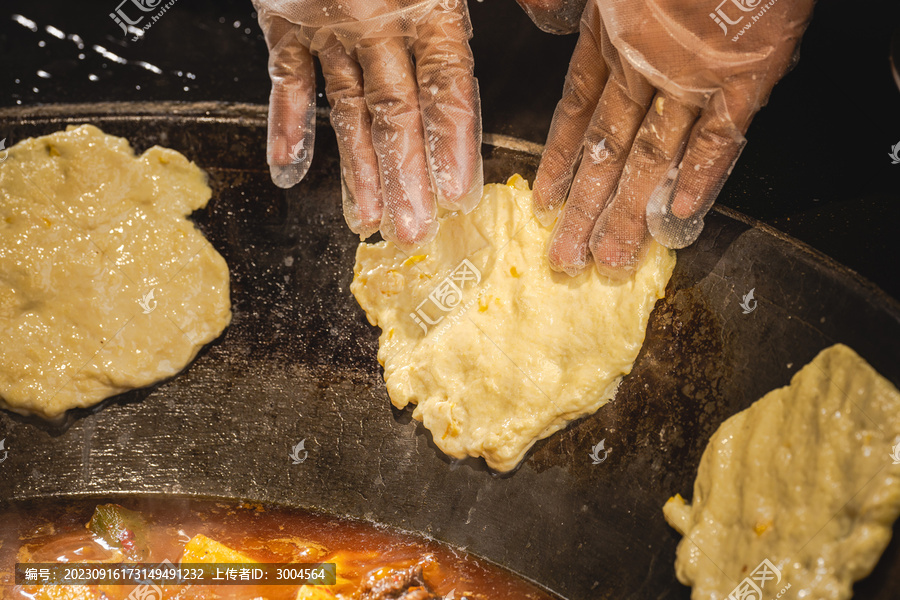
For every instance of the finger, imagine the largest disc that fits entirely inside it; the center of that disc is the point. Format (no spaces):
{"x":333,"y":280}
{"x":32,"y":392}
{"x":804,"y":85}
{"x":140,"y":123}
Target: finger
{"x":352,"y":125}
{"x":676,"y":210}
{"x":607,"y":143}
{"x":714,"y":147}
{"x":620,"y":237}
{"x":451,"y":108}
{"x":292,"y":102}
{"x":554,"y":16}
{"x":677,"y":207}
{"x":585,"y":82}
{"x":398,"y":139}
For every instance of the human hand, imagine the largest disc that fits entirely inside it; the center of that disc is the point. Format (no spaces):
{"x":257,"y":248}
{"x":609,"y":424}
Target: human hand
{"x":404,"y":106}
{"x":657,"y":99}
{"x":554,"y":16}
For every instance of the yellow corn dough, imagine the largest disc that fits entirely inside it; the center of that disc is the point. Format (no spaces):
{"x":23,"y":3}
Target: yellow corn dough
{"x":104,"y":284}
{"x":804,"y":479}
{"x":496,"y":350}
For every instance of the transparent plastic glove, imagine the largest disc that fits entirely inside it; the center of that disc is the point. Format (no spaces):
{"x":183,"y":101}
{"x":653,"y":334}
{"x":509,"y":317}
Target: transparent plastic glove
{"x":656,"y":103}
{"x":404,"y":105}
{"x":554,"y":16}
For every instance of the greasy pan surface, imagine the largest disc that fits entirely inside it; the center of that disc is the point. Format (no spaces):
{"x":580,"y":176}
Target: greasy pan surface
{"x":298,"y":363}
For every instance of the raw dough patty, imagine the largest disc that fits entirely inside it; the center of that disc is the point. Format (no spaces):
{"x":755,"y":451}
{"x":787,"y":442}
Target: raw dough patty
{"x":496,"y":350}
{"x":804,"y":479}
{"x":104,"y":284}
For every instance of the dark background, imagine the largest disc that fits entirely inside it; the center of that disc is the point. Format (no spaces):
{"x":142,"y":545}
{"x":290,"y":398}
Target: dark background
{"x":816,"y":165}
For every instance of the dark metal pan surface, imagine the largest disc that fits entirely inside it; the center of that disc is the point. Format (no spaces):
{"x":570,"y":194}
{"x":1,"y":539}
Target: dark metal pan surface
{"x":298,"y":362}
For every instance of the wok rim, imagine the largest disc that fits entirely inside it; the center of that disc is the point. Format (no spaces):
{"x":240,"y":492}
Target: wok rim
{"x":256,"y":114}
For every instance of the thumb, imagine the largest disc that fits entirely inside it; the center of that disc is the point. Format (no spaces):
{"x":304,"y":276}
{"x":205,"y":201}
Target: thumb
{"x":554,"y":16}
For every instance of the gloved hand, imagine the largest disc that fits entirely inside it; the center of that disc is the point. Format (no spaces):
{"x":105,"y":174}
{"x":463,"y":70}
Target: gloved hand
{"x":554,"y":16}
{"x":657,"y":100}
{"x":404,"y":105}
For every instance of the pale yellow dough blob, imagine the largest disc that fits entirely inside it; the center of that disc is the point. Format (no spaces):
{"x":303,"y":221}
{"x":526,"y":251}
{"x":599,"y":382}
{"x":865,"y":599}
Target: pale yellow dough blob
{"x":496,"y":350}
{"x":804,"y":479}
{"x":104,"y":284}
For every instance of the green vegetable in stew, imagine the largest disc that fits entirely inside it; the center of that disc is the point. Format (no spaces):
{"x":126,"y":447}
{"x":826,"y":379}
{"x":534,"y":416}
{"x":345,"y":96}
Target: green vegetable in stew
{"x":123,"y":529}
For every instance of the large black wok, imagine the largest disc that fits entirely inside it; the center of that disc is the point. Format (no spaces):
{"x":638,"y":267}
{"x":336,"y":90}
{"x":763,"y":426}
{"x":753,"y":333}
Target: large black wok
{"x":298,"y":362}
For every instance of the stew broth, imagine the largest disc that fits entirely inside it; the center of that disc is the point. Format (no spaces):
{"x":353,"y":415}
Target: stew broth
{"x":158,"y":529}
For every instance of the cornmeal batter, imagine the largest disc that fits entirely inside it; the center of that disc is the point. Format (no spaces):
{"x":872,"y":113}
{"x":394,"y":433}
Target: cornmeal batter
{"x":495,"y":349}
{"x":804,"y":479}
{"x":104,"y":284}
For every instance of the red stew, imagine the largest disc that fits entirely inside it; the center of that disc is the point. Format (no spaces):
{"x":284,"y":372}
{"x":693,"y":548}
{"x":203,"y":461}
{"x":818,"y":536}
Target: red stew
{"x":372,"y":562}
